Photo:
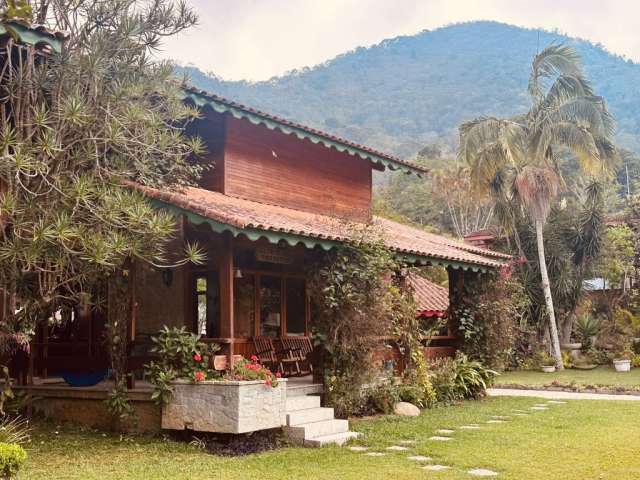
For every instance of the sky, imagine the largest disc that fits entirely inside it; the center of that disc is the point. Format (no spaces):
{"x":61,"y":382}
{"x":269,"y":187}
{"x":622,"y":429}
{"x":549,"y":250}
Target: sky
{"x":259,"y":39}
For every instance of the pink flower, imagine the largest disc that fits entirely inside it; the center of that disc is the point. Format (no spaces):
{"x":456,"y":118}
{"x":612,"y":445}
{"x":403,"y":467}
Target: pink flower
{"x":197,"y":357}
{"x":268,"y":383}
{"x":199,"y":376}
{"x":254,"y":358}
{"x":278,"y":375}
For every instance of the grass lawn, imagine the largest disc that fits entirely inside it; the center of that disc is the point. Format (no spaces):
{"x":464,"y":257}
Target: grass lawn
{"x":578,"y":440}
{"x":603,"y":376}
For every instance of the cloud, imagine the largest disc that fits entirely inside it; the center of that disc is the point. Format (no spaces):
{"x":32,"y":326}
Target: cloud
{"x":257,"y":39}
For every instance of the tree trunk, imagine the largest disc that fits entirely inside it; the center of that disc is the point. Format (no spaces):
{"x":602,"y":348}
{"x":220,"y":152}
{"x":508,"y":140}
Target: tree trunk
{"x":546,"y":288}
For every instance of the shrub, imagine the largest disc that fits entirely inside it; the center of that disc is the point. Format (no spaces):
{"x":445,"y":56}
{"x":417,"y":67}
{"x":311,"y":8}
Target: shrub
{"x":12,"y":456}
{"x":460,"y":378}
{"x":14,"y":430}
{"x":415,"y":394}
{"x":384,"y":397}
{"x":181,"y":354}
{"x":253,"y":370}
{"x":586,"y":328}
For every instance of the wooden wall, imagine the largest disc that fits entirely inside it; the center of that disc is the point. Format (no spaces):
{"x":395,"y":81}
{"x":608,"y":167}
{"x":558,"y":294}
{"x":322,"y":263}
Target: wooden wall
{"x":271,"y":167}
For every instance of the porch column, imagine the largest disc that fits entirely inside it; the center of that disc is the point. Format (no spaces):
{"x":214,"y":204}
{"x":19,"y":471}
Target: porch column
{"x":226,"y":294}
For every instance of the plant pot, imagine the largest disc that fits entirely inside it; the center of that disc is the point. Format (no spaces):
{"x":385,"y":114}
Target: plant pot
{"x":622,"y":365}
{"x":225,"y":406}
{"x":548,"y":368}
{"x":571,"y":346}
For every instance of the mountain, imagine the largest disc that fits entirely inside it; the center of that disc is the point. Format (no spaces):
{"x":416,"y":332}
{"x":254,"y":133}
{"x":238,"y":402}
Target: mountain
{"x":409,"y":91}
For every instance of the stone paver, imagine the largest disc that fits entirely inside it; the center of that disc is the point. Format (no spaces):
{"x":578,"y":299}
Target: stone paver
{"x":512,"y":392}
{"x":473,"y":426}
{"x":482,"y":472}
{"x":539,"y":409}
{"x":521,"y":414}
{"x":407,"y":442}
{"x":556,"y":402}
{"x":397,"y":448}
{"x":496,"y":421}
{"x":436,"y":468}
{"x":500,"y":417}
{"x":445,"y":431}
{"x":375,"y":454}
{"x":438,"y":438}
{"x":419,"y":458}
{"x":358,"y":449}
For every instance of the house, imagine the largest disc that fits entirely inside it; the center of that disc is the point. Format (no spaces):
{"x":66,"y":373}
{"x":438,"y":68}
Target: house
{"x":278,"y":194}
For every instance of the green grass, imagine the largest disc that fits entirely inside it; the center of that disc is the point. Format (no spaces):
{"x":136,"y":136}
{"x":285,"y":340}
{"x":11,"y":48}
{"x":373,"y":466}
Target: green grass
{"x":579,"y":440}
{"x":603,"y":376}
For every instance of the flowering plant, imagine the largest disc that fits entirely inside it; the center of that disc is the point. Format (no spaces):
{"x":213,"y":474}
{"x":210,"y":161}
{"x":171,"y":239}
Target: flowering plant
{"x":253,"y":370}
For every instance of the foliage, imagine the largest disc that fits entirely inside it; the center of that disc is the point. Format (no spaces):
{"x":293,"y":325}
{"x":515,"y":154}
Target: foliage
{"x":384,"y":397}
{"x":14,"y":429}
{"x":625,"y":352}
{"x":180,"y":355}
{"x":460,"y":378}
{"x":12,"y":456}
{"x":491,"y":319}
{"x":542,"y":359}
{"x":586,"y":327}
{"x":351,"y":291}
{"x":616,"y":256}
{"x":244,"y":369}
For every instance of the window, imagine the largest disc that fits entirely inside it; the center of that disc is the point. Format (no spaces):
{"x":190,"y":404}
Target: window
{"x":207,"y":304}
{"x":244,"y":306}
{"x":270,"y":305}
{"x":296,"y":306}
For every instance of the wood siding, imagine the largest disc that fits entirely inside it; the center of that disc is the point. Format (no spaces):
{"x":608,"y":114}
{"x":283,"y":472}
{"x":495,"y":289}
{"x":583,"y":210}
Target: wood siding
{"x":211,"y":130}
{"x":271,"y":167}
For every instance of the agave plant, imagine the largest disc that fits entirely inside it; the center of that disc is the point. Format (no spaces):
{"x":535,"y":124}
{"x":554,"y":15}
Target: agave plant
{"x":587,"y":327}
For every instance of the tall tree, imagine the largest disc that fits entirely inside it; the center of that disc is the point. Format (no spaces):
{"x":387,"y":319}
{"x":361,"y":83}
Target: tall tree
{"x":76,"y":127}
{"x":515,"y":160}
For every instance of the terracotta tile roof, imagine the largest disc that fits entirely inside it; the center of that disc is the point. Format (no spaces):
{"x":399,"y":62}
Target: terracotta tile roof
{"x":317,"y":133}
{"x":244,"y":214}
{"x":432,"y":299}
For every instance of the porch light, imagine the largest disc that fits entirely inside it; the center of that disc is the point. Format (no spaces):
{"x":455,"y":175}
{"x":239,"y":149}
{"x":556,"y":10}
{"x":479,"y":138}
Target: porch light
{"x":238,"y":273}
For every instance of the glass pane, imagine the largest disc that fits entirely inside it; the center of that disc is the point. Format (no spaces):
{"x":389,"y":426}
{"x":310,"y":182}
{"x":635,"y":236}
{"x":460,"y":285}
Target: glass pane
{"x":244,"y":302}
{"x":296,"y":306}
{"x":207,"y":303}
{"x":202,"y":314}
{"x":270,"y":290}
{"x":201,"y":284}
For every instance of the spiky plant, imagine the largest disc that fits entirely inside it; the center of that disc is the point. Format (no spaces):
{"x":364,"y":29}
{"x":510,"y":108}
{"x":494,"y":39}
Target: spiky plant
{"x":515,"y":160}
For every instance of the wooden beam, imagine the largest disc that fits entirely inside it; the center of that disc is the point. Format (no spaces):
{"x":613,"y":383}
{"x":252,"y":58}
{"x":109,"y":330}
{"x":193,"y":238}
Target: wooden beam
{"x":226,"y":294}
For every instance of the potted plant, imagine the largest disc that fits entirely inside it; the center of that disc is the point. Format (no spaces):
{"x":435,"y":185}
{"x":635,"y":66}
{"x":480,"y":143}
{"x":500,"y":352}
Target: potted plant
{"x":622,"y":359}
{"x":546,"y":362}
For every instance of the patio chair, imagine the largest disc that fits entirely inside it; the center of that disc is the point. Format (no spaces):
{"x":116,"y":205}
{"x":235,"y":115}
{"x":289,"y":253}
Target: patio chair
{"x":276,"y":360}
{"x":299,"y":350}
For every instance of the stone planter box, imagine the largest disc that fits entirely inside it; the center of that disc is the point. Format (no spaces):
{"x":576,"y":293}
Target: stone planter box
{"x":225,"y":407}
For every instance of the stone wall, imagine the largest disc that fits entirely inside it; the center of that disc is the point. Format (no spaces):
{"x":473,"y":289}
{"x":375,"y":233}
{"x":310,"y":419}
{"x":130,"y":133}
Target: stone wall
{"x":226,"y":407}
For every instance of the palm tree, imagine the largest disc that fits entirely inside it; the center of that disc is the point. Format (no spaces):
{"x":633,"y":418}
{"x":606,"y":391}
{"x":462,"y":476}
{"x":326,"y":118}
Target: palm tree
{"x":515,"y":160}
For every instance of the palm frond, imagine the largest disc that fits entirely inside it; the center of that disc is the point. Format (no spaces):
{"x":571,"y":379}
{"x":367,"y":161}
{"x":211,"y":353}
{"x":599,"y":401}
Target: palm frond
{"x":556,"y":59}
{"x":537,"y":187}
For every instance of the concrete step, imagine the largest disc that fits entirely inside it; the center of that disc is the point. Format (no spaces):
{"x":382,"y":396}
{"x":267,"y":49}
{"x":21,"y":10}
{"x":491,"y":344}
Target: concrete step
{"x":309,"y":415}
{"x":301,"y":433}
{"x":333,"y":439}
{"x":295,"y":390}
{"x":302,"y":402}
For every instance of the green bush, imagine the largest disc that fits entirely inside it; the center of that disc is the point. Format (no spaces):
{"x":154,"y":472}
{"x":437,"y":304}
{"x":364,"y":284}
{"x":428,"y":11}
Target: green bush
{"x":460,"y":378}
{"x":413,"y":394}
{"x":12,"y":456}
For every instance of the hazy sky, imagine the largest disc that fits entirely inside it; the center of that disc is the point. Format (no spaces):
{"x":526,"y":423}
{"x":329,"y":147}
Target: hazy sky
{"x":257,"y":39}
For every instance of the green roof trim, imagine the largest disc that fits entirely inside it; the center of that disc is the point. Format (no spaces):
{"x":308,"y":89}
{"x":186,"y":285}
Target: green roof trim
{"x":29,"y":36}
{"x":292,"y":239}
{"x":255,"y":117}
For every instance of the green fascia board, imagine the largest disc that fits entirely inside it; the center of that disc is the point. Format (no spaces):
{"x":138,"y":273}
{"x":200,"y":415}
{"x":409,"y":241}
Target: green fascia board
{"x":202,"y":100}
{"x":29,"y":36}
{"x":291,"y":239}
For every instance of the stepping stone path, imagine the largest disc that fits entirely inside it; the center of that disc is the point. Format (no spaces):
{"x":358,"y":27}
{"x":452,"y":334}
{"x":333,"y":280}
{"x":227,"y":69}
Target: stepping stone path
{"x":445,"y":431}
{"x":375,"y":454}
{"x":419,"y":458}
{"x":407,"y":442}
{"x":438,"y":438}
{"x":521,"y":414}
{"x":358,"y":449}
{"x":500,"y":417}
{"x":482,"y":472}
{"x":436,"y":468}
{"x":470,"y":427}
{"x":539,"y":408}
{"x":556,"y":402}
{"x":496,"y":421}
{"x":397,"y":448}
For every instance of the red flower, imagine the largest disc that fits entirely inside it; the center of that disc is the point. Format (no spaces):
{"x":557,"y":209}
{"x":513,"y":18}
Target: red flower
{"x":197,"y":357}
{"x":268,"y":383}
{"x":200,"y":376}
{"x":278,"y":375}
{"x":254,"y":358}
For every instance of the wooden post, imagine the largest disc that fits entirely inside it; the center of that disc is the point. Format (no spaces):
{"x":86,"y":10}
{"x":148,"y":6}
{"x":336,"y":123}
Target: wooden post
{"x":133,"y":308}
{"x":226,"y":295}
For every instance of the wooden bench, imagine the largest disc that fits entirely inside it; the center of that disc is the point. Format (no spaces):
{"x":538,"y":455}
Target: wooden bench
{"x":276,"y":360}
{"x":299,"y":350}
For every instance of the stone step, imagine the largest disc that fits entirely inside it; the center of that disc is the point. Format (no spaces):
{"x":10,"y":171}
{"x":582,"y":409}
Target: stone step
{"x":309,"y":415}
{"x":302,"y":402}
{"x":295,"y":390}
{"x":301,"y":433}
{"x":333,"y":439}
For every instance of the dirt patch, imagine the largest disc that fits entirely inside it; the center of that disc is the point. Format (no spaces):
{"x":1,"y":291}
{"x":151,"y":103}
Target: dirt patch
{"x":234,"y":445}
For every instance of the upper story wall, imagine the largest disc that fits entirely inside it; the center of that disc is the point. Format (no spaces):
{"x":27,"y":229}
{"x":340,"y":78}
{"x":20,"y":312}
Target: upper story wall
{"x":269,"y":166}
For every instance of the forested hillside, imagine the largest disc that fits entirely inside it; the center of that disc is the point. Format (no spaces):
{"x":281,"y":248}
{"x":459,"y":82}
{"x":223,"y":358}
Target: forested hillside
{"x":407,"y":92}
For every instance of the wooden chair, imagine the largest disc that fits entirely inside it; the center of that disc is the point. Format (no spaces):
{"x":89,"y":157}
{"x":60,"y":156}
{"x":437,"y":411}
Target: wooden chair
{"x":276,"y":360}
{"x":299,"y":350}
